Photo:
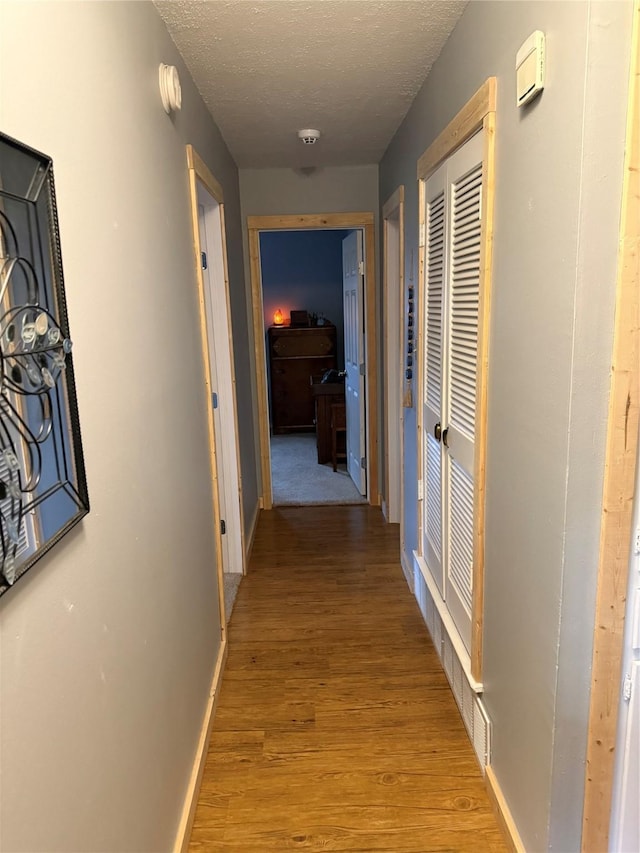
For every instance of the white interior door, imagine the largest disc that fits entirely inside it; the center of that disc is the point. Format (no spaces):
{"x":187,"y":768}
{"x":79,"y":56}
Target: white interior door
{"x":353,"y":298}
{"x":220,"y":360}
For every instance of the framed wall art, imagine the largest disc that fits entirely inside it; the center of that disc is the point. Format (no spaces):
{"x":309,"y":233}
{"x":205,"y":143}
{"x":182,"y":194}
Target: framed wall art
{"x":43,"y":490}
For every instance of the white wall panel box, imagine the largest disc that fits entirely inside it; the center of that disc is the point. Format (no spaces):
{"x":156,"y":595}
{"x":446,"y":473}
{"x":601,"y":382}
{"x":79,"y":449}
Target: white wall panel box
{"x":530,"y":67}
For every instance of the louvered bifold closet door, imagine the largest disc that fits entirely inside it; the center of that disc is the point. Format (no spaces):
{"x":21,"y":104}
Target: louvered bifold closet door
{"x":436,"y":209}
{"x":464,"y":178}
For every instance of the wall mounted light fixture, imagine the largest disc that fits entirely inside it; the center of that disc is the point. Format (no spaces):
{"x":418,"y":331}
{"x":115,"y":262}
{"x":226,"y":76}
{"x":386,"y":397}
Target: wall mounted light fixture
{"x":170,"y":90}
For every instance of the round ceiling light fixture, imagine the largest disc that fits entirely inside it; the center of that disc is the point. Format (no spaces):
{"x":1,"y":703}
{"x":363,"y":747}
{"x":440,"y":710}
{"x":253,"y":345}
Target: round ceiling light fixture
{"x":309,"y":136}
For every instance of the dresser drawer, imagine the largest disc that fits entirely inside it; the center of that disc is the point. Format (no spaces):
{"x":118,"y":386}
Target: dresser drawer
{"x":294,"y":343}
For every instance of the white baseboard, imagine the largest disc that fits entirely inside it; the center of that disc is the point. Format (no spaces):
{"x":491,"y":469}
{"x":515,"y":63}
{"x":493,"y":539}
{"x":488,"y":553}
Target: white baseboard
{"x":503,"y":813}
{"x":251,"y":536}
{"x":183,"y":835}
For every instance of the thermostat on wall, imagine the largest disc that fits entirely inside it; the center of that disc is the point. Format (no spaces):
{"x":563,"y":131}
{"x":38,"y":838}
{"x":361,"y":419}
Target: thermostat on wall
{"x":530,"y":63}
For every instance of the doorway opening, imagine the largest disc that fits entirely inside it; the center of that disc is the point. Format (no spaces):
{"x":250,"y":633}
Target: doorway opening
{"x":315,"y":357}
{"x":303,"y":276}
{"x":217,"y":353}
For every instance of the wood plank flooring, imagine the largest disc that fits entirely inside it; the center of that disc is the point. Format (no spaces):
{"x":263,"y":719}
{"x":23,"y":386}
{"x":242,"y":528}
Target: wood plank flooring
{"x":336,"y":729}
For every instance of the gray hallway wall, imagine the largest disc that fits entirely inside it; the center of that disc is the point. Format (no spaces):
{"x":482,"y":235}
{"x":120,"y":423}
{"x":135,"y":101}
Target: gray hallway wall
{"x":107,"y":646}
{"x":558,"y":173}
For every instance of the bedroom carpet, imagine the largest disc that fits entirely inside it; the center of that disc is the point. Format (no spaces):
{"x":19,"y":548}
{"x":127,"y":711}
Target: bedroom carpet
{"x":298,"y":480}
{"x":231,"y":584}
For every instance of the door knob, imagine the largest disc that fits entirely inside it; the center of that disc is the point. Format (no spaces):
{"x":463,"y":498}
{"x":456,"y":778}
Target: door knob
{"x":437,"y":431}
{"x":445,"y":433}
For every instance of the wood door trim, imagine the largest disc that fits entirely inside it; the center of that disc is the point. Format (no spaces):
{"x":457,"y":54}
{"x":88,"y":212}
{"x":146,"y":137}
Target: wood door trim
{"x":196,"y":164}
{"x":364,"y":221}
{"x":260,"y":356}
{"x":477,"y":114}
{"x":208,"y":386}
{"x":201,"y":172}
{"x":312,"y":220}
{"x":464,"y":124}
{"x":394,"y":201}
{"x":480,"y":456}
{"x":618,"y":493}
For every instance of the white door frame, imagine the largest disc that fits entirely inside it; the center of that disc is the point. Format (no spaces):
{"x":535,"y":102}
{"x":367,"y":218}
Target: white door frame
{"x":199,"y":174}
{"x":393,"y":299}
{"x":323,"y":222}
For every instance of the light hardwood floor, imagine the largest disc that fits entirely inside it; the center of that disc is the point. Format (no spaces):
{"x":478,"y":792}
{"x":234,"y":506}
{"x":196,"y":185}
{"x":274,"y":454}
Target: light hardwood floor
{"x":336,"y":729}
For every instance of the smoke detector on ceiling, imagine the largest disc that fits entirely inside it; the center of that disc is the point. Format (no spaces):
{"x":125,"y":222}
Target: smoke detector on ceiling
{"x":309,"y":136}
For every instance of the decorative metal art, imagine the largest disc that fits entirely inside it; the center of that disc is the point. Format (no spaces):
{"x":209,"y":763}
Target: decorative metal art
{"x":43,"y":490}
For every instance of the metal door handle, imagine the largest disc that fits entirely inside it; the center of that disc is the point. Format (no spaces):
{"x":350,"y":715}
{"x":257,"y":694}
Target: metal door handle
{"x":445,"y":433}
{"x":437,"y":431}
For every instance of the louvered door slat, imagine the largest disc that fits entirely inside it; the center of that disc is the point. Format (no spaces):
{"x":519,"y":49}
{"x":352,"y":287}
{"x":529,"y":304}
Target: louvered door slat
{"x":435,"y":283}
{"x":461,"y":363}
{"x":461,"y":497}
{"x":465,"y":283}
{"x":436,"y":205}
{"x":434,"y":495}
{"x":467,"y":244}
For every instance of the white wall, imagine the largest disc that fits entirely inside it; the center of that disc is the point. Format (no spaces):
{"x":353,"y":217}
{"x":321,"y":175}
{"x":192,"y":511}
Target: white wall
{"x":333,"y":189}
{"x":558,"y":182}
{"x":108,"y":645}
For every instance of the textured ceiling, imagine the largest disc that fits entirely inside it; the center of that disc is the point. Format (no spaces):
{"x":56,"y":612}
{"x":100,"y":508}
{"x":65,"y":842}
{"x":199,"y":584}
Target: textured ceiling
{"x":350,"y":68}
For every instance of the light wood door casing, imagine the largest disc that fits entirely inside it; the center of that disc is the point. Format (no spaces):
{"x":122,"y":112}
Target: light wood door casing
{"x":365,"y":221}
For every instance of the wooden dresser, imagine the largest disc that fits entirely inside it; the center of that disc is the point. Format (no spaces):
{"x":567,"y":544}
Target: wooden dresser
{"x":295,"y":355}
{"x":325,"y":395}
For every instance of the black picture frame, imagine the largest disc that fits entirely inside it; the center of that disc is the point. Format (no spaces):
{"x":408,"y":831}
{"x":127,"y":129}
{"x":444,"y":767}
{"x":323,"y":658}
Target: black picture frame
{"x":43,"y":488}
